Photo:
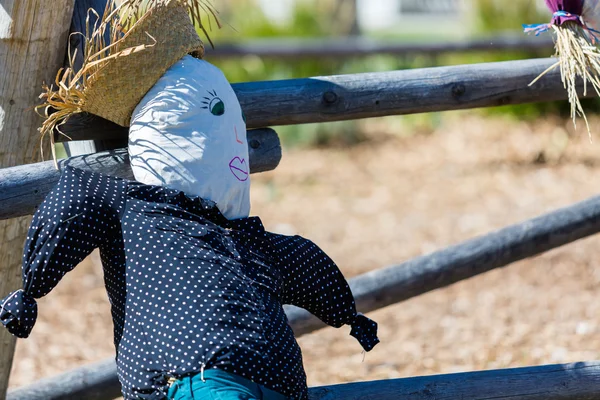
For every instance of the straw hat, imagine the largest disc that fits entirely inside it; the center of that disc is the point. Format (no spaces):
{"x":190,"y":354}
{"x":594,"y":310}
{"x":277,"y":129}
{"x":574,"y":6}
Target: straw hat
{"x":146,"y":38}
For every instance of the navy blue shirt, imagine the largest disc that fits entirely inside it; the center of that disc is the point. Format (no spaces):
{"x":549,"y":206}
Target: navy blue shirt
{"x":189,"y":289}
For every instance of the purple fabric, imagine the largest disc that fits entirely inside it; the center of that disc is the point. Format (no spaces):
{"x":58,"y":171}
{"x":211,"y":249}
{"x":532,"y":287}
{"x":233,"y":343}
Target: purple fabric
{"x":574,"y":7}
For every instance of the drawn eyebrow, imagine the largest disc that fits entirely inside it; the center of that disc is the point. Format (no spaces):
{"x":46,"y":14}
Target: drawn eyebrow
{"x":209,"y":99}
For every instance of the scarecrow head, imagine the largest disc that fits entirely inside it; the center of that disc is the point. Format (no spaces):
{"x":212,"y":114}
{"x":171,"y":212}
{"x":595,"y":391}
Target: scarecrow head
{"x":188,"y":133}
{"x":187,"y":130}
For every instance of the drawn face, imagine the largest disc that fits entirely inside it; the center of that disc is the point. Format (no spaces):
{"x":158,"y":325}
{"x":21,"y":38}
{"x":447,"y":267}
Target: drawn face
{"x":189,"y":134}
{"x":238,"y":165}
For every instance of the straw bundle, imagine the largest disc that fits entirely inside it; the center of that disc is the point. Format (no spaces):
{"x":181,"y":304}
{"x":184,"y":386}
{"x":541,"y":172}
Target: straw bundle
{"x":577,"y":49}
{"x":146,"y":37}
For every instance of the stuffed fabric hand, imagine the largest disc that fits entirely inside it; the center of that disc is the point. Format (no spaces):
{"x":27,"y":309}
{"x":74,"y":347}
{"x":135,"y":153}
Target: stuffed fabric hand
{"x":18,"y":312}
{"x":188,"y":133}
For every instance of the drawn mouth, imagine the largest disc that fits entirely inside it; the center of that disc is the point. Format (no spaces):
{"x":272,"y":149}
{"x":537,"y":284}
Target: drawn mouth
{"x":239,"y":169}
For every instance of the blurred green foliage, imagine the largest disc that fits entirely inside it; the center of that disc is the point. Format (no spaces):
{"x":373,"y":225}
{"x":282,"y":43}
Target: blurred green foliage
{"x":494,"y":16}
{"x":245,"y":21}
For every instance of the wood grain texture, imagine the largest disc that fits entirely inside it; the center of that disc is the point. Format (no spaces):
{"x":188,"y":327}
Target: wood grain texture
{"x":380,"y":288}
{"x":93,"y":382}
{"x":578,"y":381}
{"x":362,"y":46}
{"x":347,"y":97}
{"x":33,"y":34}
{"x":23,"y":188}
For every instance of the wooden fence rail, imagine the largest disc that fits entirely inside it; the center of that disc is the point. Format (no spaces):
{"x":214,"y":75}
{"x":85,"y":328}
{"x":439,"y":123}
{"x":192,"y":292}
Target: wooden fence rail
{"x":381,"y":288}
{"x":96,"y":381}
{"x":24,"y":187}
{"x":347,"y":97}
{"x":294,"y":49}
{"x":578,"y":381}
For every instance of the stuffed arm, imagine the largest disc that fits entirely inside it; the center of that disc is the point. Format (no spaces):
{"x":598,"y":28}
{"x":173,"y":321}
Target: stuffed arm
{"x":314,"y":282}
{"x":76,"y":216}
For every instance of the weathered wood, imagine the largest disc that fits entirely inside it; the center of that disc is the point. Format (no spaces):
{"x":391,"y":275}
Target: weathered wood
{"x":33,"y":34}
{"x":93,"y":382}
{"x":347,"y":97}
{"x":384,"y":287}
{"x":361,"y":46}
{"x":381,"y":288}
{"x":24,"y":187}
{"x":578,"y":381}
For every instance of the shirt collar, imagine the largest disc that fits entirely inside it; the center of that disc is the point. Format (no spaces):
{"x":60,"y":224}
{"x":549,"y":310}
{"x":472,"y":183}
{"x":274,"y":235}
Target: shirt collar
{"x":195,"y":205}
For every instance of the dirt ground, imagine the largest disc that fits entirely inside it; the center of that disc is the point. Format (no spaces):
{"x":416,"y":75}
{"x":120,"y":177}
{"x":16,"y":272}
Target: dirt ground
{"x":387,"y":200}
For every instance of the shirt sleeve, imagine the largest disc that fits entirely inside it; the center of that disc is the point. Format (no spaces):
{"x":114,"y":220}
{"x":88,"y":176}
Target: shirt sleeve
{"x":80,"y":213}
{"x":314,"y":282}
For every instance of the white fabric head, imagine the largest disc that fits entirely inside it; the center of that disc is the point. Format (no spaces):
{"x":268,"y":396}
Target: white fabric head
{"x":188,"y":133}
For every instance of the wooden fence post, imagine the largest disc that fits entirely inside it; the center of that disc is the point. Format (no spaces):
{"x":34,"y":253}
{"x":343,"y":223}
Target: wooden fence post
{"x":33,"y":35}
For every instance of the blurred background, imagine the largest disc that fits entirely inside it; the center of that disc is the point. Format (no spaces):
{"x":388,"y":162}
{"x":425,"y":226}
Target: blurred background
{"x":487,"y":25}
{"x":378,"y":192}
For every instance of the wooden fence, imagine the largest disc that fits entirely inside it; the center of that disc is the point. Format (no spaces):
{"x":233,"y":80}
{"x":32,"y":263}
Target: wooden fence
{"x":355,"y":96}
{"x":359,"y":96}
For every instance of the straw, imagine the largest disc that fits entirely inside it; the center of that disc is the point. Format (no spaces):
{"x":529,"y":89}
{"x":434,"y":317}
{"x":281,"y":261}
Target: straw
{"x":577,"y":50}
{"x":578,"y":59}
{"x":146,"y":37}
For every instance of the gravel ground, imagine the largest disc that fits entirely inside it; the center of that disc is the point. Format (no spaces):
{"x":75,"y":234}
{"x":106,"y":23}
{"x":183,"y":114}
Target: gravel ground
{"x":387,"y":200}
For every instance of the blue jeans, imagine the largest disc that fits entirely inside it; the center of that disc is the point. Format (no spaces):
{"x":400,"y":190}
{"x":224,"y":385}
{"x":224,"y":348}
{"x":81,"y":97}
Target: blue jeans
{"x":220,"y":385}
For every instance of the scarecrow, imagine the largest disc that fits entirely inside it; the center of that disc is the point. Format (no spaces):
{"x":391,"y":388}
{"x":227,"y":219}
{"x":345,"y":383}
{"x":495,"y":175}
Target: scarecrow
{"x":576,"y":43}
{"x":196,"y":286}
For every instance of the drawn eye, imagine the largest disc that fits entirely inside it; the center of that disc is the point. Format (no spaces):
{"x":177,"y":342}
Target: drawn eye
{"x":214,"y":104}
{"x":244,"y":117}
{"x":217,"y":107}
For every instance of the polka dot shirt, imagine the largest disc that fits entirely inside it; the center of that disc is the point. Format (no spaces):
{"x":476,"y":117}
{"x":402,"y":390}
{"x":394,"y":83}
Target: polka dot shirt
{"x":189,"y":289}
